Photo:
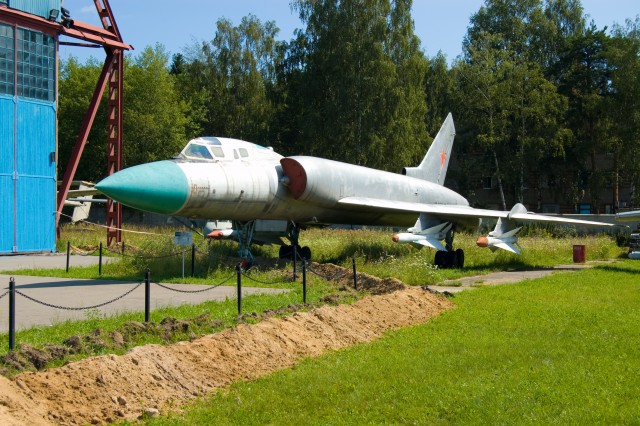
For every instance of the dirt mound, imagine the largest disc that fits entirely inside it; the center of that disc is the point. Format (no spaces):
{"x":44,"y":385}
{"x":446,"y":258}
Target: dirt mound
{"x":153,"y":377}
{"x":344,"y":277}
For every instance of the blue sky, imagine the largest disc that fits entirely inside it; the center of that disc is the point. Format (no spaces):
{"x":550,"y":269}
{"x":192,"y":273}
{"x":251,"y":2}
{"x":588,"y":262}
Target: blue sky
{"x":440,"y":25}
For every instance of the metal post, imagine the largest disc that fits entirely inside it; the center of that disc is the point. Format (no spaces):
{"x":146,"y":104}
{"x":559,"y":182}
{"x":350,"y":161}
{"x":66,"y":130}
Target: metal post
{"x":182,"y":263}
{"x":239,"y":269}
{"x":355,"y":280}
{"x":100,"y":261}
{"x":193,"y":259}
{"x":123,"y":248}
{"x":147,"y":295}
{"x":304,"y":281}
{"x":295,"y":262}
{"x":12,"y":314}
{"x":68,"y":253}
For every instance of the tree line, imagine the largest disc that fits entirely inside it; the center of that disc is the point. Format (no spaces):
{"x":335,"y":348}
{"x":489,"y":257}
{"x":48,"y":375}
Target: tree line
{"x":538,"y":94}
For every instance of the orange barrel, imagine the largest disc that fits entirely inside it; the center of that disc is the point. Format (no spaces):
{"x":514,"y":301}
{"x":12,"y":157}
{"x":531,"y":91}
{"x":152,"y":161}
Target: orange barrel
{"x":579,"y":254}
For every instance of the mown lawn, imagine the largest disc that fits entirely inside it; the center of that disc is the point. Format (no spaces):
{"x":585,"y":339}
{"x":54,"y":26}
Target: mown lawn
{"x":559,"y":350}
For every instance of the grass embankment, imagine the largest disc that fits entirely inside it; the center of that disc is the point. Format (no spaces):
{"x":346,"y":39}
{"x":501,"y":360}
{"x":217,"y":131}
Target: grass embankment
{"x":563,"y":349}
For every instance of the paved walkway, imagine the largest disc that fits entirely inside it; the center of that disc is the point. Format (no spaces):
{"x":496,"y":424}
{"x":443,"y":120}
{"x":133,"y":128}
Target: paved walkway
{"x":500,"y":278}
{"x":82,"y":293}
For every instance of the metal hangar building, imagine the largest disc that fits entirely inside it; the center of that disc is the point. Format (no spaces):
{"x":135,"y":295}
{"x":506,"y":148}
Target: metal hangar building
{"x":30,"y":200}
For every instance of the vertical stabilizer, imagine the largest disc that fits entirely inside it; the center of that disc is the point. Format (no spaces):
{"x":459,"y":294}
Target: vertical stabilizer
{"x":434,"y":165}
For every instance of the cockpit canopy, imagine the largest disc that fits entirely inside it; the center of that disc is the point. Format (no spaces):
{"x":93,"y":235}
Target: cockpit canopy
{"x":226,"y":149}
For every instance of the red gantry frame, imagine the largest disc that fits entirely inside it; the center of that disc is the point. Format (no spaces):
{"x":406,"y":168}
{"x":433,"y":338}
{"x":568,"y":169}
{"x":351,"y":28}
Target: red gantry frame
{"x":112,"y":76}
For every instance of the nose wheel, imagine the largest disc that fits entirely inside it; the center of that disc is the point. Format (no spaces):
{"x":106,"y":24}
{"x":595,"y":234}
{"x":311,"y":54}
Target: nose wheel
{"x":286,"y":252}
{"x":450,"y":258}
{"x":293,"y":235}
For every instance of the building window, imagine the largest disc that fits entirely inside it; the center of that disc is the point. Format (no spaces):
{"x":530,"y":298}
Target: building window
{"x":584,"y":208}
{"x":487,"y":182}
{"x":36,"y":65}
{"x":7,"y":55}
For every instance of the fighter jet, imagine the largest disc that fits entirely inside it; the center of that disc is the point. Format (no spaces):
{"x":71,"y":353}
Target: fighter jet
{"x":254,"y":187}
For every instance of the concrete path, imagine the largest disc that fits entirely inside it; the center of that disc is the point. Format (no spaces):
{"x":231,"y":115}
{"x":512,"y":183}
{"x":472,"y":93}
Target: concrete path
{"x":74,"y":293}
{"x":499,"y":278}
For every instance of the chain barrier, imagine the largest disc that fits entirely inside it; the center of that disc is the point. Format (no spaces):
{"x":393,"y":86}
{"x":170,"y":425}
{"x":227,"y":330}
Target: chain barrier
{"x":119,"y":229}
{"x":4,"y":294}
{"x":67,"y":308}
{"x":195,"y":291}
{"x":78,"y":252}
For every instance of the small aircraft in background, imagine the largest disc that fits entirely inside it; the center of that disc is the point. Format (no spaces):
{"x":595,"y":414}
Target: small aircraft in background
{"x":258,"y":189}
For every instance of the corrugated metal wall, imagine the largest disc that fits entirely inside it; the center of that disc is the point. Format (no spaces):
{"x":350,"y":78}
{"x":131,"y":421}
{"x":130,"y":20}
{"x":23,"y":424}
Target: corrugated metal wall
{"x":6,"y":174}
{"x":36,"y":7}
{"x":27,"y":142}
{"x":36,"y":170}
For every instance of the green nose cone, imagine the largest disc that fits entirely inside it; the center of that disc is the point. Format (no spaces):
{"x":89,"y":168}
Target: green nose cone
{"x":159,"y":187}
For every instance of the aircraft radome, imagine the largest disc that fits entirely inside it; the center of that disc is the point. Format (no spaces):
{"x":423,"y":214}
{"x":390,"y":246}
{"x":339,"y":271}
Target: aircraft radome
{"x":268,"y":196}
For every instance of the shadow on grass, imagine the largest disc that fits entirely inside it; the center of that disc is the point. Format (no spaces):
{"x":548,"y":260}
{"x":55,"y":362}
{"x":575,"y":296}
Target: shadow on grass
{"x":617,"y":268}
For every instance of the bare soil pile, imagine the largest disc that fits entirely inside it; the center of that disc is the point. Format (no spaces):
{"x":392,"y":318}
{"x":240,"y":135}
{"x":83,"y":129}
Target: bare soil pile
{"x":153,"y":377}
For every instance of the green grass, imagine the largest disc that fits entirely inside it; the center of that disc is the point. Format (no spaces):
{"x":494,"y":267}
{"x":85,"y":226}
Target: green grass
{"x":559,"y":350}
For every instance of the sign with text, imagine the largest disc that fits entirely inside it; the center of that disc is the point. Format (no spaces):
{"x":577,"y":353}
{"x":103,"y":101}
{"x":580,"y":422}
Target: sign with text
{"x":183,"y":238}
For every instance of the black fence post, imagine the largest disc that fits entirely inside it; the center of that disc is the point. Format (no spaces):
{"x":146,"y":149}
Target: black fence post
{"x":355,"y":279}
{"x":304,"y":281}
{"x":12,"y":314}
{"x":239,"y":269}
{"x":68,"y":253}
{"x":193,"y":259}
{"x":100,"y":261}
{"x":295,"y":262}
{"x":147,"y":295}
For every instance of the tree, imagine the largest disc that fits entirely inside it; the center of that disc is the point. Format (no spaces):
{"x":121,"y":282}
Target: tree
{"x":231,"y":79}
{"x":623,"y":104}
{"x":363,"y":76}
{"x":502,"y":68}
{"x":155,"y":116}
{"x":155,"y":120}
{"x":584,"y":78}
{"x":77,"y":83}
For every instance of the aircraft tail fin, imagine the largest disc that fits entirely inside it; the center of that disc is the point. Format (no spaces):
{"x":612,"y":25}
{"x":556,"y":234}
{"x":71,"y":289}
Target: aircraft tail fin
{"x":434,"y":165}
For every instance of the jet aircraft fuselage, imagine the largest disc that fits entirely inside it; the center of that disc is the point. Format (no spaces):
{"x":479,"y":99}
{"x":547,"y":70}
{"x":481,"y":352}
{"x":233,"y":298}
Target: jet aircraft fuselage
{"x":245,"y":182}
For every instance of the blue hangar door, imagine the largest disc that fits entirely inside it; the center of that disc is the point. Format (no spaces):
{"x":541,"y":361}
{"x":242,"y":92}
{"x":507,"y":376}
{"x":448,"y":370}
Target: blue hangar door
{"x":27,"y":140}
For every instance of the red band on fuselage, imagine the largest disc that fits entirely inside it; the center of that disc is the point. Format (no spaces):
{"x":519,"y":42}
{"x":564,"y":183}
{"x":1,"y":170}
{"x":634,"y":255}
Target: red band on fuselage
{"x":297,"y":176}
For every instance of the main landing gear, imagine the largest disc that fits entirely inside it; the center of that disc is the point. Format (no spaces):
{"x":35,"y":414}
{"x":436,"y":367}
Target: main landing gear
{"x":450,"y":258}
{"x":293,"y":235}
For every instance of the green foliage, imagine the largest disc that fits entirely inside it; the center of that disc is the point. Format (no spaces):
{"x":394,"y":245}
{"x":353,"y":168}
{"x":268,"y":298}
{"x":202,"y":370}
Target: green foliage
{"x":76,"y":86}
{"x":561,"y":349}
{"x":365,"y":99}
{"x":155,"y":115}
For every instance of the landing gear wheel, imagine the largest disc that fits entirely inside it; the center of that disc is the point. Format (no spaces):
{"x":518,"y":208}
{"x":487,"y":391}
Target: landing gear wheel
{"x":440,"y":259}
{"x":452,"y":259}
{"x":460,"y":258}
{"x":285,"y":252}
{"x":304,"y":253}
